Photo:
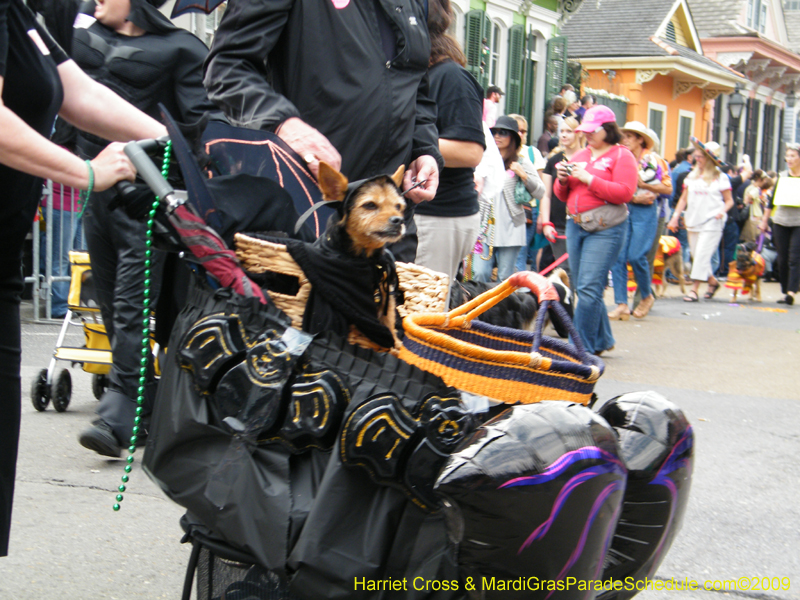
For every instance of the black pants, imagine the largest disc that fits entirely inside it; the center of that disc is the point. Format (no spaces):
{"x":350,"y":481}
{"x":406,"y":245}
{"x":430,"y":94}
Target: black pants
{"x":787,"y":243}
{"x":117,"y":251}
{"x":16,"y":220}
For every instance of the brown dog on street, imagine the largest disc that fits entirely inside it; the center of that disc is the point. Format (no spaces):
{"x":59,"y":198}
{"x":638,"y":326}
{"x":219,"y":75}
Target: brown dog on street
{"x":668,"y":256}
{"x":744,"y":273}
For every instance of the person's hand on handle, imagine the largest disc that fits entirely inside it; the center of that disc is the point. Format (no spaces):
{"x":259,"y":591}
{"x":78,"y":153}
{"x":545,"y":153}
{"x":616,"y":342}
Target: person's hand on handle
{"x":111,"y":166}
{"x":310,"y":144}
{"x":549,"y":232}
{"x":424,"y":169}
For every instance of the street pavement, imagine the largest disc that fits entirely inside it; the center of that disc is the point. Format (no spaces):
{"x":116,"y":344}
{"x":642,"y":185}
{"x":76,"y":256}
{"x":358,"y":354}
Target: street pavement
{"x":733,"y":369}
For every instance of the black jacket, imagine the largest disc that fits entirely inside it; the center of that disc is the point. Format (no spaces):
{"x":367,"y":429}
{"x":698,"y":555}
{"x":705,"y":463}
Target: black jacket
{"x":276,"y":59}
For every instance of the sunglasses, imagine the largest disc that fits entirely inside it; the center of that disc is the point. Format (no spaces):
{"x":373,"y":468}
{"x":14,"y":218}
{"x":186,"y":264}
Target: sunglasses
{"x":502,"y":132}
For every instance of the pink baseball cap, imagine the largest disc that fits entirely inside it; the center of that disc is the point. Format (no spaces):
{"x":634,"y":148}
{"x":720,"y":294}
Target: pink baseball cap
{"x":595,"y":117}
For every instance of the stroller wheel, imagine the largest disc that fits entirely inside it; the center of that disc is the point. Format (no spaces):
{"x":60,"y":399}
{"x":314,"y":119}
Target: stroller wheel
{"x":40,"y":391}
{"x":99,"y":385}
{"x":63,"y":391}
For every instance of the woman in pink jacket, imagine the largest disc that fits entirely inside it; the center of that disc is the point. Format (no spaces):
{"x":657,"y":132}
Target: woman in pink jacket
{"x":596,"y":184}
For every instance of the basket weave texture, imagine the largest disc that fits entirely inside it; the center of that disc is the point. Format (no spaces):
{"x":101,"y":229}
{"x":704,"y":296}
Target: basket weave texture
{"x":505,"y":364}
{"x":423,"y":290}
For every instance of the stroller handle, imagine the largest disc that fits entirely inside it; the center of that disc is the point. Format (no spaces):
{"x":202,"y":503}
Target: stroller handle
{"x":137,"y":152}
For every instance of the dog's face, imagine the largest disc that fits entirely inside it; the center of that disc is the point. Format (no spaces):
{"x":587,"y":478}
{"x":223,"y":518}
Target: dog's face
{"x":744,"y":257}
{"x":374,"y":215}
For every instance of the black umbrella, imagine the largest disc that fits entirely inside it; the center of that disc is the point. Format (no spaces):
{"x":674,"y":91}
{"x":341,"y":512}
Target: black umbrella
{"x":183,"y":7}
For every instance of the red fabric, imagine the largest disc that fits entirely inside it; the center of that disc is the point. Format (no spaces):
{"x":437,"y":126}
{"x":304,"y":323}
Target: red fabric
{"x":64,"y":198}
{"x":214,"y":255}
{"x":616,"y":175}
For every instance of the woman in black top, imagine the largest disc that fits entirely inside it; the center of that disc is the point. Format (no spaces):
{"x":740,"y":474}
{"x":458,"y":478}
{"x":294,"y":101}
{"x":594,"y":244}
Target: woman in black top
{"x":37,"y":81}
{"x":553,"y":212}
{"x":447,"y":226}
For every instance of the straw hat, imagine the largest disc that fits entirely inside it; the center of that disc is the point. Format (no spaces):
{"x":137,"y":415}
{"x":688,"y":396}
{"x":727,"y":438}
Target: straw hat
{"x":710,"y":149}
{"x":642,"y":130}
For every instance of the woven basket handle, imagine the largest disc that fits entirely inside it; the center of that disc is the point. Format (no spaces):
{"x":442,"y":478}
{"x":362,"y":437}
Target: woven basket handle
{"x":536,"y":283}
{"x":546,"y":294}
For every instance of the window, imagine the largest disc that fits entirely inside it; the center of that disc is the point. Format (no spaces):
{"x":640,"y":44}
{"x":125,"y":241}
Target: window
{"x":685,"y":127}
{"x":516,"y":57}
{"x":670,"y":33}
{"x":757,"y":15}
{"x":206,"y":25}
{"x":657,"y":121}
{"x":494,"y":72}
{"x":477,"y":45}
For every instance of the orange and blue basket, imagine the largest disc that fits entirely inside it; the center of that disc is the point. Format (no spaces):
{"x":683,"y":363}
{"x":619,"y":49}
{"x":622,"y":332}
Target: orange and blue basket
{"x":505,"y":364}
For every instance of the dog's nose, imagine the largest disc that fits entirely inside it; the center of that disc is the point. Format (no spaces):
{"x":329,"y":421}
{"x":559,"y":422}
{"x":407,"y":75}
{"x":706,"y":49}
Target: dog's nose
{"x":395,"y":220}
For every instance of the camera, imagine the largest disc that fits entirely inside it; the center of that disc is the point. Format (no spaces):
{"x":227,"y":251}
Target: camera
{"x":568,"y":168}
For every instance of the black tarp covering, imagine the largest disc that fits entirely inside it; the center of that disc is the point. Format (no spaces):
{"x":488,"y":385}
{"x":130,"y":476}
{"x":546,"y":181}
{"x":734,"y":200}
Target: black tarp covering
{"x":299,"y":511}
{"x":657,"y":444}
{"x":534,"y":496}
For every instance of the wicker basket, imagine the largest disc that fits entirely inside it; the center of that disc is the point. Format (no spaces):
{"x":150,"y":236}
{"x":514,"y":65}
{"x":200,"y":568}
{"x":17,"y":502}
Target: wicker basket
{"x":506,"y":364}
{"x":423,"y":290}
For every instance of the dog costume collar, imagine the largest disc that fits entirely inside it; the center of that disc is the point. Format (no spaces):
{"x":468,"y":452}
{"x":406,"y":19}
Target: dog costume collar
{"x":340,"y":205}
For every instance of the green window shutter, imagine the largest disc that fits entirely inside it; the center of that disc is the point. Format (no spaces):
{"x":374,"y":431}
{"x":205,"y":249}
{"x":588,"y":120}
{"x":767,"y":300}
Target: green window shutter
{"x":486,"y":49}
{"x":473,"y":23}
{"x":556,"y":65}
{"x":516,"y":39}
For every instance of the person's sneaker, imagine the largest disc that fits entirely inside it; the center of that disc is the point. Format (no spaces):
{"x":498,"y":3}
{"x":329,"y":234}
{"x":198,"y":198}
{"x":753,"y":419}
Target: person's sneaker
{"x":100,"y":438}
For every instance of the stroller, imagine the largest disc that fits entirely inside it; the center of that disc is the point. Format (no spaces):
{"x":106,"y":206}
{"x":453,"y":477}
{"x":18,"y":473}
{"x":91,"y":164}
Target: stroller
{"x":310,"y":467}
{"x":94,"y":356}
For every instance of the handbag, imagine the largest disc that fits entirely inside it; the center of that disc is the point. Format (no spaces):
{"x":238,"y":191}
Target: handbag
{"x":505,"y":364}
{"x":521,"y":194}
{"x":602,"y":217}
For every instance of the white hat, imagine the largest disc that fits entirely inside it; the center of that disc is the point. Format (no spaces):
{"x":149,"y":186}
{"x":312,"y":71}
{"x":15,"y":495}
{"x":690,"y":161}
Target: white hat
{"x":650,"y":137}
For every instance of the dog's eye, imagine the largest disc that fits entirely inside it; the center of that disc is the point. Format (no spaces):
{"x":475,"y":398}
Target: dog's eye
{"x":399,"y":207}
{"x":369,"y":206}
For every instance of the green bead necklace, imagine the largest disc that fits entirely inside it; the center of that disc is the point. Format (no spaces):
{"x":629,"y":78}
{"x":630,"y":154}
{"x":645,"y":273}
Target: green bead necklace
{"x":148,"y":254}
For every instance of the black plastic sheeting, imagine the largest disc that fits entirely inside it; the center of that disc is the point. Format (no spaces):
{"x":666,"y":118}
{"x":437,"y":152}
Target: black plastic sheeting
{"x":344,"y":472}
{"x":534,"y":496}
{"x":657,"y":445}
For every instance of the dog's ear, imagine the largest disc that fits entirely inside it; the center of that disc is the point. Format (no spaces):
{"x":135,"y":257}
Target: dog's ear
{"x":332,"y":183}
{"x":398,"y":176}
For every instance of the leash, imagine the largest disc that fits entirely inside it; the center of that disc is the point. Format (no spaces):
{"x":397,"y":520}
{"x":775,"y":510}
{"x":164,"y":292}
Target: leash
{"x":554,"y":264}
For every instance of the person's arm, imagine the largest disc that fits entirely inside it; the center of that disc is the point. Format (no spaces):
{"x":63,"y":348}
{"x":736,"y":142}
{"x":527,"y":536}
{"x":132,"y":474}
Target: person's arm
{"x":94,"y":108}
{"x":529,"y":176}
{"x":460,"y":154}
{"x":425,"y":153}
{"x":547,"y":228}
{"x":679,"y":208}
{"x":236,"y":74}
{"x":727,"y":196}
{"x":23,"y":149}
{"x":189,"y":92}
{"x":662,"y":187}
{"x":620,"y":188}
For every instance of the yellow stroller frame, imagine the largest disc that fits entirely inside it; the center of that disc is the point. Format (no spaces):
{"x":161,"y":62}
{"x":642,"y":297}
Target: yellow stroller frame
{"x":94,"y":356}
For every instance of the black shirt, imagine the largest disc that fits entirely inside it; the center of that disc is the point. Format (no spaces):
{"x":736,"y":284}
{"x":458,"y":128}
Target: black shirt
{"x":558,"y":208}
{"x":459,"y":103}
{"x":31,"y":90}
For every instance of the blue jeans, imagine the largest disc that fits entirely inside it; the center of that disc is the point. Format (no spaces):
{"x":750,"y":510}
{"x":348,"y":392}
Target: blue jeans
{"x":641,"y":224}
{"x":730,"y":237}
{"x":504,"y":257}
{"x":591,"y":256}
{"x":527,"y":254}
{"x":66,"y":236}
